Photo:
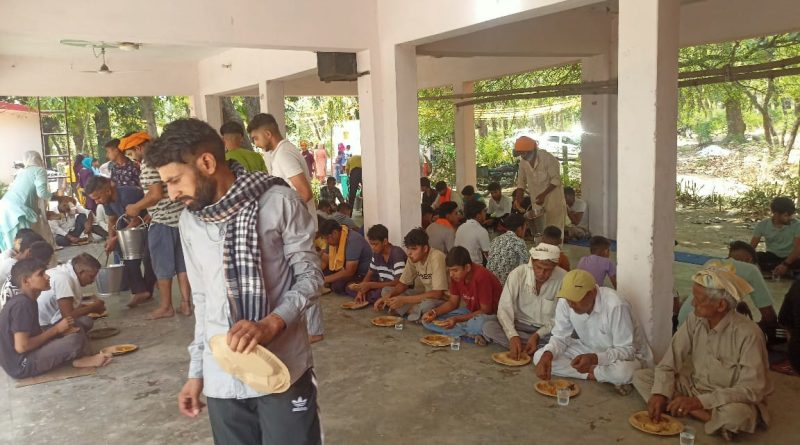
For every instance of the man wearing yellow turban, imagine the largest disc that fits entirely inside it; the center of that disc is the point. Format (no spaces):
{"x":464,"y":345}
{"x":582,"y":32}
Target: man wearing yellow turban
{"x":727,"y":382}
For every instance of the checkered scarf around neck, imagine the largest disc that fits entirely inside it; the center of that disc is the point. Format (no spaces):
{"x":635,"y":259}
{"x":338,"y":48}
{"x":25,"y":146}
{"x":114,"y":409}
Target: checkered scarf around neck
{"x":241,"y":255}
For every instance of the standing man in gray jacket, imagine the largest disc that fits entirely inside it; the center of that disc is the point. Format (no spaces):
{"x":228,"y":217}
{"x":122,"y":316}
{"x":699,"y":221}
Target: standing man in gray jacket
{"x":247,"y":239}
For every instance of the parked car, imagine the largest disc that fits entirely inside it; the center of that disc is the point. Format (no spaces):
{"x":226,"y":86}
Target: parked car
{"x":556,"y":142}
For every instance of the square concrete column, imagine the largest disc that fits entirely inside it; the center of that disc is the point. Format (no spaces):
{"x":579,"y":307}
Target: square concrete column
{"x":648,"y":110}
{"x":272,"y":101}
{"x":466,"y":155}
{"x":389,"y":138}
{"x":599,"y":149}
{"x":207,"y":108}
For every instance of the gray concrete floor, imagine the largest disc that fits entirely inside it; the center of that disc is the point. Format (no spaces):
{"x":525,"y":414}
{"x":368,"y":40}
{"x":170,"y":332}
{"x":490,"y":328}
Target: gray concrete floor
{"x":377,"y":385}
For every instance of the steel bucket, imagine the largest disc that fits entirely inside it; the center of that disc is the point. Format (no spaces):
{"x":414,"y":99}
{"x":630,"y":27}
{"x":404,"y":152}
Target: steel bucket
{"x":109,"y":279}
{"x":133,"y":241}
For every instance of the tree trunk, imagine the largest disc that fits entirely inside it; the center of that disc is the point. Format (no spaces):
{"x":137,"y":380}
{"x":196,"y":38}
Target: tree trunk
{"x":795,"y":127}
{"x":102,"y":125}
{"x":252,"y":106}
{"x":148,"y":110}
{"x":766,"y":120}
{"x":736,"y":125}
{"x":229,"y":113}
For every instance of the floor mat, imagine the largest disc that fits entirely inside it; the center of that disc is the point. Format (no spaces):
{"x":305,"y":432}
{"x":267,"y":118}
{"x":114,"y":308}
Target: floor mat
{"x":62,"y":373}
{"x":681,"y":257}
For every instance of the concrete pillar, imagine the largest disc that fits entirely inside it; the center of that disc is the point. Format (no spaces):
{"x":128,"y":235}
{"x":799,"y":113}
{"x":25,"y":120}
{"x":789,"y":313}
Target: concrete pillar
{"x":599,"y":149}
{"x":272,"y":101}
{"x":390,"y":147}
{"x":466,"y":155}
{"x":648,"y":109}
{"x":207,"y":108}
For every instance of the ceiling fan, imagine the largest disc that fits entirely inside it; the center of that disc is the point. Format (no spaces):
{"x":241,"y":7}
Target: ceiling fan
{"x":104,"y":69}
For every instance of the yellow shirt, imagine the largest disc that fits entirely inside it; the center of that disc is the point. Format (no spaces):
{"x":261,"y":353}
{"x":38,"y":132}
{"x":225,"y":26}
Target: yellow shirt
{"x":353,"y":162}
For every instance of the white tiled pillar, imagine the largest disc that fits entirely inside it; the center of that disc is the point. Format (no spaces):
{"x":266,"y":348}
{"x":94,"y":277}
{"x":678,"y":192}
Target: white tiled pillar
{"x":466,"y":155}
{"x":272,"y":100}
{"x":647,"y":115}
{"x":207,"y":108}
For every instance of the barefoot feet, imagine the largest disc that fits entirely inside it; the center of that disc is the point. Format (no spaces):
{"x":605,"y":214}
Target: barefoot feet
{"x":161,"y":313}
{"x":186,"y":308}
{"x":92,"y":361}
{"x":139,"y":298}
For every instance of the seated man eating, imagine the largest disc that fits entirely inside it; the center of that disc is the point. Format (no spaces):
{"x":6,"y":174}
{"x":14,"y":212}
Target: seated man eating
{"x":610,"y":346}
{"x":423,"y":283}
{"x":73,"y":223}
{"x":64,"y":298}
{"x":781,"y":234}
{"x":385,"y":269}
{"x":528,"y":303}
{"x":727,"y":380}
{"x":25,"y":349}
{"x":477,"y":287}
{"x":348,"y":256}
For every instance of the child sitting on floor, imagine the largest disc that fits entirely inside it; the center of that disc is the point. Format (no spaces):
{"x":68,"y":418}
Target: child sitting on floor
{"x":598,"y":263}
{"x":552,"y":235}
{"x":26,"y":350}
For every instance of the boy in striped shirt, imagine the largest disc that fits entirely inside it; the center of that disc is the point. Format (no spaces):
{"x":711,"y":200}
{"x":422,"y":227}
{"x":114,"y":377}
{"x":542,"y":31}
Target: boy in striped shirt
{"x":388,"y":263}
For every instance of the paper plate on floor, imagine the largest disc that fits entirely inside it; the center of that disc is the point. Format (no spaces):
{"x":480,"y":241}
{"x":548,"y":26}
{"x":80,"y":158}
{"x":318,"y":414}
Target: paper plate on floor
{"x":436,"y":340}
{"x":119,"y":349}
{"x":504,"y":358}
{"x":97,"y":334}
{"x":668,"y":426}
{"x":96,"y":315}
{"x":385,"y":321}
{"x":549,"y":387}
{"x":261,"y":369}
{"x":354,"y":305}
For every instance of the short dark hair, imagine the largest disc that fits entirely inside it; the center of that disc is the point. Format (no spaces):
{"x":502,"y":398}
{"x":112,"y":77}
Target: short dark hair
{"x":264,"y":120}
{"x":328,"y":226}
{"x":232,"y":127}
{"x":416,"y":238}
{"x":27,"y":239}
{"x":98,"y":182}
{"x":598,"y":244}
{"x":494,"y":187}
{"x":330,"y":178}
{"x":458,"y":257}
{"x":85,"y":261}
{"x":42,"y":251}
{"x":513,"y":221}
{"x":552,"y":232}
{"x":342,"y":206}
{"x":323,"y":204}
{"x":184,"y":140}
{"x":473,"y":209}
{"x":782,"y":204}
{"x":24,"y":269}
{"x":426,"y":209}
{"x":743,"y":246}
{"x":424,"y":182}
{"x":569,"y":191}
{"x":441,"y":186}
{"x":378,"y":232}
{"x":23,"y":231}
{"x":468,"y":190}
{"x":447,"y":208}
{"x":113,"y":143}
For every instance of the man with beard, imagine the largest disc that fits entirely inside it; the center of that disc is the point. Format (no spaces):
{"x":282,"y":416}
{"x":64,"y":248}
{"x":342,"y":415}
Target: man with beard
{"x":253,"y":273}
{"x":540,"y":175}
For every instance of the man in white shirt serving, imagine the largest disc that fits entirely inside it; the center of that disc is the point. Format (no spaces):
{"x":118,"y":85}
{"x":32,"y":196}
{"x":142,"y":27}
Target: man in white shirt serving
{"x":610,"y":347}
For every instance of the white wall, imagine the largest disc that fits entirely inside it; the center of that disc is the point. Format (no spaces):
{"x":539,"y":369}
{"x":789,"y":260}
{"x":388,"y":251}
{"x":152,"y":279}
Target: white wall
{"x":20,"y":130}
{"x":250,"y":67}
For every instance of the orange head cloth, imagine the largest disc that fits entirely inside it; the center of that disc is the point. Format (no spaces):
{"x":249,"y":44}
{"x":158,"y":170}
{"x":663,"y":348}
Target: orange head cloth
{"x":134,"y":140}
{"x":524,"y":143}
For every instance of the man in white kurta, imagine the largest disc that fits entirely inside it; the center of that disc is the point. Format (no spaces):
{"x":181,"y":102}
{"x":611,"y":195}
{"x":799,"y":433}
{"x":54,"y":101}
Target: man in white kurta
{"x":540,"y":175}
{"x":610,"y":347}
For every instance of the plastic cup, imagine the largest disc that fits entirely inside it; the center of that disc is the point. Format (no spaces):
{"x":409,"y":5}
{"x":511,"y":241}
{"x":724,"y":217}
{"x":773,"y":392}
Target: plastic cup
{"x":398,"y":326}
{"x":687,"y":436}
{"x":562,"y":394}
{"x":455,"y":343}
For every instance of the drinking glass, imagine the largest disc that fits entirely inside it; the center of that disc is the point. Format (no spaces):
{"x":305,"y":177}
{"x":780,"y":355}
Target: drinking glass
{"x":455,"y":343}
{"x":562,"y":394}
{"x":687,"y":436}
{"x":399,"y":325}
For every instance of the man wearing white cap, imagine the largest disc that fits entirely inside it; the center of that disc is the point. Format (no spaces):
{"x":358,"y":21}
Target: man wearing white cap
{"x":528,"y":303}
{"x":727,"y":382}
{"x":610,"y":347}
{"x":540,"y":175}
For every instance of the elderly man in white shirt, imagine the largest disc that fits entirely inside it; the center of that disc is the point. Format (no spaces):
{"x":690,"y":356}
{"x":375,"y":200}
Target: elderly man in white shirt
{"x":610,"y":346}
{"x":528,"y":303}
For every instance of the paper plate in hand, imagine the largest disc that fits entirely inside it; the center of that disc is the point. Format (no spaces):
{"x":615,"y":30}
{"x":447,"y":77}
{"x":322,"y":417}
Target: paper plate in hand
{"x":355,"y":305}
{"x":504,"y":358}
{"x":549,"y":387}
{"x":440,"y":323}
{"x":261,"y":369}
{"x":119,"y":349}
{"x":436,"y":340}
{"x":386,"y":321}
{"x":668,"y":426}
{"x":96,"y":315}
{"x":97,"y":334}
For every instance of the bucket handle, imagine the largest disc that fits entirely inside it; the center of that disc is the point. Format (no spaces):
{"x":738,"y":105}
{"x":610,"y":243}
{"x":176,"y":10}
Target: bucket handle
{"x":116,"y":226}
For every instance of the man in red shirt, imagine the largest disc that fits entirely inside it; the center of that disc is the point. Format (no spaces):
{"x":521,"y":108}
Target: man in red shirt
{"x":479,"y":289}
